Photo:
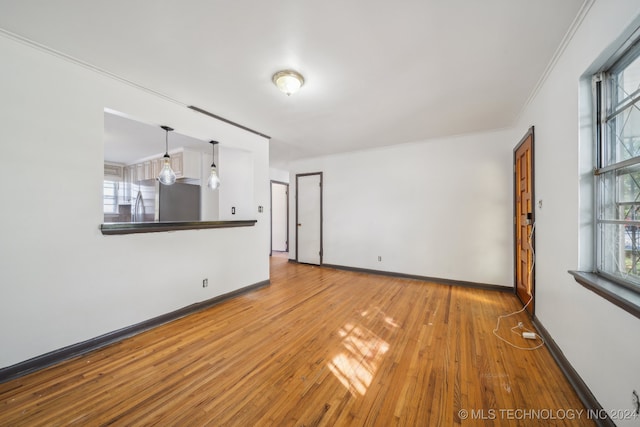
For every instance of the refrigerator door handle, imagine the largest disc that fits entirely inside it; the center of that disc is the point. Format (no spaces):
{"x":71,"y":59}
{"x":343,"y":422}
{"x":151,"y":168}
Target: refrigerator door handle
{"x":138,"y":211}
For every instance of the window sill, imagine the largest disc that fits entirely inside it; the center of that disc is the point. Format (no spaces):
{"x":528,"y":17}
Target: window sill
{"x":624,"y":298}
{"x":155,"y":227}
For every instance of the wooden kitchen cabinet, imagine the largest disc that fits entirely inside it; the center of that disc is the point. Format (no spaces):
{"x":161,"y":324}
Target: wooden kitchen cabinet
{"x":148,"y":172}
{"x":140,"y":172}
{"x":156,"y":166}
{"x":185,"y":164}
{"x":177,"y":164}
{"x":191,"y":166}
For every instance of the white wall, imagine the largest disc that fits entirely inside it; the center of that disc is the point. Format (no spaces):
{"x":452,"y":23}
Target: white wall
{"x":599,"y":339}
{"x":61,"y":280}
{"x":280,"y":175}
{"x":236,"y":185}
{"x":440,"y":208}
{"x":209,"y":200}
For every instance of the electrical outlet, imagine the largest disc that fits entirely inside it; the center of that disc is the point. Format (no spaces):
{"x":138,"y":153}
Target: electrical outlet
{"x":379,"y":258}
{"x":205,"y":283}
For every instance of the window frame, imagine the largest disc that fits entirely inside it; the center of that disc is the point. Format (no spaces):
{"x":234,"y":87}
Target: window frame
{"x":114,"y":175}
{"x":606,"y":111}
{"x":612,"y":288}
{"x":115,"y":183}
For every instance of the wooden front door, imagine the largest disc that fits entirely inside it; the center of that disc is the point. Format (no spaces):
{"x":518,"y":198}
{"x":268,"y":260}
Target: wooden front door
{"x":524,"y":220}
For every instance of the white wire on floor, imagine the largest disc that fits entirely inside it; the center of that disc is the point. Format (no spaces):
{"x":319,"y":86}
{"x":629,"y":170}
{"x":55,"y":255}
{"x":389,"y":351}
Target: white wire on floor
{"x":520,"y":326}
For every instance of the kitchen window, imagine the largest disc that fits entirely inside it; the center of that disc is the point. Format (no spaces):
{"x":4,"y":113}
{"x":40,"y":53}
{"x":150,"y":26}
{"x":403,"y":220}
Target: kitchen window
{"x":111,"y":187}
{"x":110,"y":196}
{"x":617,"y":171}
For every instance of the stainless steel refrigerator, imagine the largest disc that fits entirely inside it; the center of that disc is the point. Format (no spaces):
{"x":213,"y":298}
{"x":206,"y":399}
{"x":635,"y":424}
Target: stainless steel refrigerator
{"x":164,"y":203}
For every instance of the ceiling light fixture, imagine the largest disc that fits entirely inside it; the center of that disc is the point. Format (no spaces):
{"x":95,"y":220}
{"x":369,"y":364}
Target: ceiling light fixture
{"x":288,"y":81}
{"x":167,"y":176}
{"x":214,"y":181}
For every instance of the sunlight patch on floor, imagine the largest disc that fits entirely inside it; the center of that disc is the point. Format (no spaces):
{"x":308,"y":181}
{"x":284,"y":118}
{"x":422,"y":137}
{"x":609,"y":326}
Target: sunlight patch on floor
{"x":375,"y":312}
{"x":487,"y":298}
{"x":357,"y":364}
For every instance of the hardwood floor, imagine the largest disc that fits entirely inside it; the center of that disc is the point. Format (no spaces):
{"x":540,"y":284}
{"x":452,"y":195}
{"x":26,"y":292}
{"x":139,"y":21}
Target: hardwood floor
{"x":317,"y":347}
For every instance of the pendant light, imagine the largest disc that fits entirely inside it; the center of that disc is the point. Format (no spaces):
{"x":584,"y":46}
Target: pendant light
{"x":167,"y":176}
{"x":214,"y":181}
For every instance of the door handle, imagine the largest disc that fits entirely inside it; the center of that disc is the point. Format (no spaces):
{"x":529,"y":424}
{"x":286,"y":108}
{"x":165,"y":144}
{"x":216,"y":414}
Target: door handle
{"x":299,"y":225}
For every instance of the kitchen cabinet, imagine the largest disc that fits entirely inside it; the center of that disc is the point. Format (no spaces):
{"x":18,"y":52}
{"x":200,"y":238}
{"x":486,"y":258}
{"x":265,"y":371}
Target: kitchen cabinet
{"x":140,"y":172}
{"x":185,"y":164}
{"x":148,"y":173}
{"x":112,"y":170}
{"x":156,"y":166}
{"x":177,"y":161}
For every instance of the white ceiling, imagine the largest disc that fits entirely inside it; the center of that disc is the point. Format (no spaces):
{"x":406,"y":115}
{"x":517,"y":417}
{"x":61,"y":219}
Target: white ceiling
{"x":377,"y":72}
{"x":128,"y":140}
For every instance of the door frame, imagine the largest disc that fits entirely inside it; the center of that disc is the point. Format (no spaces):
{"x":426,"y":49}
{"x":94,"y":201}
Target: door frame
{"x":286,"y":184}
{"x":321,"y":212}
{"x":516,"y":259}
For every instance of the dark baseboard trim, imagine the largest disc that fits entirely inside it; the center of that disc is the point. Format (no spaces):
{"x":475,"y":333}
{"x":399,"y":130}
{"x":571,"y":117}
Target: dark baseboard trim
{"x":78,"y":349}
{"x":452,"y":282}
{"x":581,"y":389}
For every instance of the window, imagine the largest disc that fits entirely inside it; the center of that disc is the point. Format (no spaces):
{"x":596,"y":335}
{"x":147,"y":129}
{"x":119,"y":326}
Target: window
{"x":111,"y":188}
{"x":617,"y":186}
{"x":110,"y":196}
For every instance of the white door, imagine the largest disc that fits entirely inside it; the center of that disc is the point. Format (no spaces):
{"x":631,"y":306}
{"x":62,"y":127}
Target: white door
{"x":279,"y":211}
{"x":309,"y":218}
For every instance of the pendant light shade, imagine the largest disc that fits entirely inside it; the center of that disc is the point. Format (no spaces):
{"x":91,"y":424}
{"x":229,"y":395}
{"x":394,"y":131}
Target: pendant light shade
{"x":167,"y":176}
{"x":214,"y":181}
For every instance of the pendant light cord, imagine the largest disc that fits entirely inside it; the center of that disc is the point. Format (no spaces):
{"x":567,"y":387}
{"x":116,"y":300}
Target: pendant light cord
{"x":167,"y":129}
{"x":213,"y":153}
{"x":166,"y":142}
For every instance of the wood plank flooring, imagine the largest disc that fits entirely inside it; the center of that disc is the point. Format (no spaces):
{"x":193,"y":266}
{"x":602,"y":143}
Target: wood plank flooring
{"x":317,"y":347}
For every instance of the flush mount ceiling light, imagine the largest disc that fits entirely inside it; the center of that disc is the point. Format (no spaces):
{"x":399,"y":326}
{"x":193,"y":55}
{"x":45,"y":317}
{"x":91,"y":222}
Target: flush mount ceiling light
{"x":288,"y":81}
{"x":167,"y":176}
{"x":214,"y":181}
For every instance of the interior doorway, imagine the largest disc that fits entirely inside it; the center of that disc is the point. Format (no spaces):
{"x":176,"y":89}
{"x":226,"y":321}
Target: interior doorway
{"x":279,"y":217}
{"x":309,"y":218}
{"x":524,"y":220}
